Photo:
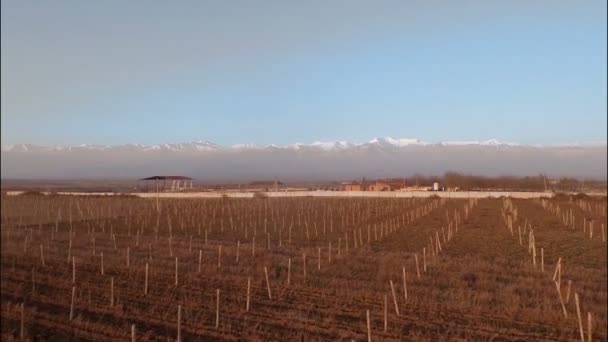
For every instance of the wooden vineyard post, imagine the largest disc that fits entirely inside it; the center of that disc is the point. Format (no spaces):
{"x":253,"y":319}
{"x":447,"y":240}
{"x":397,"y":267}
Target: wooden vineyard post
{"x":248,"y":293}
{"x":133,"y":333}
{"x":304,"y":263}
{"x":238,"y":246}
{"x":589,"y":327}
{"x":557,"y":275}
{"x":319,"y":260}
{"x":404,"y":285}
{"x":179,"y":323}
{"x":200,"y":259}
{"x":417,"y":268}
{"x":424,"y":259}
{"x":42,"y":255}
{"x":603,"y":233}
{"x":578,"y":314}
{"x":217,"y":309}
{"x":73,"y":270}
{"x":72,"y":304}
{"x":559,"y":293}
{"x":267,"y":282}
{"x":175,"y":271}
{"x":146,"y":284}
{"x":385,"y":312}
{"x":542,"y":259}
{"x":219,"y":256}
{"x":329,"y":253}
{"x":101,"y":255}
{"x":112,"y":292}
{"x":288,"y":271}
{"x":369,"y":329}
{"x":394,"y":298}
{"x":519,"y":231}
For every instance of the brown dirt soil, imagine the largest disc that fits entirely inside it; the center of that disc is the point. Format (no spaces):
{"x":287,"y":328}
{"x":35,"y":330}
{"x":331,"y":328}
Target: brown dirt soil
{"x":476,"y":282}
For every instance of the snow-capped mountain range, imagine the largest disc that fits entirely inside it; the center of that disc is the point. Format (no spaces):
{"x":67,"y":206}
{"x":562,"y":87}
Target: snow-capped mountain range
{"x":204,"y":145}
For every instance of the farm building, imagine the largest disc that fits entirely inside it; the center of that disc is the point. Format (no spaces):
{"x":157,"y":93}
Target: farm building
{"x":355,"y":186}
{"x":379,"y":185}
{"x":387,"y":185}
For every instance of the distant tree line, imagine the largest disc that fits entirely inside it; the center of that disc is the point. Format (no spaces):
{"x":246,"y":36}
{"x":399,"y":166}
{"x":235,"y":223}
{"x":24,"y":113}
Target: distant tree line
{"x":452,"y":180}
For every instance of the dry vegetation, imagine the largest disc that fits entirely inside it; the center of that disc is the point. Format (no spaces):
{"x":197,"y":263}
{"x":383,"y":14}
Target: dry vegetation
{"x":303,"y":269}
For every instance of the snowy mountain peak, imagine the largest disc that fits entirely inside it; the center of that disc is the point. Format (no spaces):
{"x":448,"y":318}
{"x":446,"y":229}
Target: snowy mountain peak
{"x":339,"y":145}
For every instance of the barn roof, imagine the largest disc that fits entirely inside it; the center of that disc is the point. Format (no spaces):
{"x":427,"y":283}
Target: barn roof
{"x":167,"y":178}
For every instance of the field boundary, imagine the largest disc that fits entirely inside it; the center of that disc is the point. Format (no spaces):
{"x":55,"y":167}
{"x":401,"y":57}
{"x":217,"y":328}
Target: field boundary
{"x":366,"y":194}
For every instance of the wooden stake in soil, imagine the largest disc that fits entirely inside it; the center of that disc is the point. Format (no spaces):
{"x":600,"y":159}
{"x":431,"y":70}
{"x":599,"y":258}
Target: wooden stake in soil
{"x":73,"y":270}
{"x":72,"y":305}
{"x":101,"y":255}
{"x":557,"y":275}
{"x":385,"y":313}
{"x":417,"y":269}
{"x":248,"y":293}
{"x":319,"y":258}
{"x":133,"y":333}
{"x":369,"y":329}
{"x":288,"y":271}
{"x":519,"y":231}
{"x":238,"y":246}
{"x":112,"y":292}
{"x":146,"y":285}
{"x":394,"y":298}
{"x":42,"y":255}
{"x":219,"y":256}
{"x":578,"y":314}
{"x":200,"y":259}
{"x":589,"y":327}
{"x":179,"y":323}
{"x":175,"y":271}
{"x":424,"y":259}
{"x":267,"y":282}
{"x":559,"y":293}
{"x":542,"y":259}
{"x":404,"y":285}
{"x":217,"y":309}
{"x":304,"y":262}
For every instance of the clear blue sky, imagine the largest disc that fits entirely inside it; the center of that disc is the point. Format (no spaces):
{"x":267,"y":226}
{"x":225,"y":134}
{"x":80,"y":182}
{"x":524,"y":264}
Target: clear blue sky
{"x":112,"y":72}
